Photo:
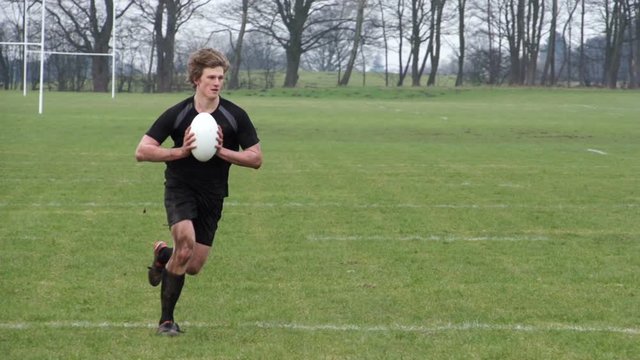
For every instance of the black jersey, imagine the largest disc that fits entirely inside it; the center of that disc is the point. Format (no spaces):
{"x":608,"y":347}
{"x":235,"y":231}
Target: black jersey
{"x":211,"y":176}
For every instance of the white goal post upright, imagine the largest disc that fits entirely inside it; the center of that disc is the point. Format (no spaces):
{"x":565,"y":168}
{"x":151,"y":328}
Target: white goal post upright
{"x":113,"y":51}
{"x":41,"y":57}
{"x":25,"y":52}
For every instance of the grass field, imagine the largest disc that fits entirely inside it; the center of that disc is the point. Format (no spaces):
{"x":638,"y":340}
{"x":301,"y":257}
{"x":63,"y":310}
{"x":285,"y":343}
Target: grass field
{"x":384,"y":224}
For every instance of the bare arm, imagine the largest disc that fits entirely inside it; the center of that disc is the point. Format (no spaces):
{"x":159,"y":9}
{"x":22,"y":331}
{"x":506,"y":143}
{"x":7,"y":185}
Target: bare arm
{"x":249,"y":157}
{"x":150,"y":150}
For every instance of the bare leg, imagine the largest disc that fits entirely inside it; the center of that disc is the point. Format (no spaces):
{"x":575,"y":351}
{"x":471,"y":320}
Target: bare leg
{"x":173,"y":277}
{"x":184,"y":240}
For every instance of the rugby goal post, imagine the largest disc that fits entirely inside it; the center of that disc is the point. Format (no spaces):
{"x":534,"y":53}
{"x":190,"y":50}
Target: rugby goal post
{"x":25,"y":44}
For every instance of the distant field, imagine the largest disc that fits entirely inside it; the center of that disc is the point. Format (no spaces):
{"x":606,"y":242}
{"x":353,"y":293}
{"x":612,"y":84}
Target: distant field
{"x":316,"y":79}
{"x":384,"y":224}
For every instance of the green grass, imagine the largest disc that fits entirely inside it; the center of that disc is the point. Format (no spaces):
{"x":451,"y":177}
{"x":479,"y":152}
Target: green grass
{"x":384,"y":224}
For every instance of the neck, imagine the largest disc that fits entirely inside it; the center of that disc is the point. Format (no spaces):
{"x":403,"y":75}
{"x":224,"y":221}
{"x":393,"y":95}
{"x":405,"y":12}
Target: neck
{"x":204,"y":104}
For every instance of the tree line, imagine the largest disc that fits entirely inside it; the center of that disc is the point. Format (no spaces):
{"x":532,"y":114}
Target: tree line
{"x":411,"y":42}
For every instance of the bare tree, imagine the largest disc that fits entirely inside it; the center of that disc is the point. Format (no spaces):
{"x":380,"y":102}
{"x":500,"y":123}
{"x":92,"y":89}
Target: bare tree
{"x":335,"y":48}
{"x":571,"y":7}
{"x":419,"y":35}
{"x":533,"y":35}
{"x":435,"y":39}
{"x":357,"y":42}
{"x":486,"y":45}
{"x":488,"y":40}
{"x":88,"y":27}
{"x":8,"y":33}
{"x":234,"y":78}
{"x":399,"y":25}
{"x":134,"y":63}
{"x":330,"y":55}
{"x":385,"y":40}
{"x":523,"y":29}
{"x":167,"y":17}
{"x":514,"y":30}
{"x":263,"y":55}
{"x":498,"y":40}
{"x":495,"y":34}
{"x":298,"y":26}
{"x":616,"y":19}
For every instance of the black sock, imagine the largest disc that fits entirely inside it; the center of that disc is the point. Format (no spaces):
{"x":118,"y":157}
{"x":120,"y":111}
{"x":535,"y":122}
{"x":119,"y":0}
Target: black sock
{"x":169,"y":294}
{"x":164,"y":255}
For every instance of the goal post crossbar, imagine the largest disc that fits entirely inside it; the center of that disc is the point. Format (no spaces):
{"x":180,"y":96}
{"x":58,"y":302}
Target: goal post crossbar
{"x":20,"y":43}
{"x":70,"y":53}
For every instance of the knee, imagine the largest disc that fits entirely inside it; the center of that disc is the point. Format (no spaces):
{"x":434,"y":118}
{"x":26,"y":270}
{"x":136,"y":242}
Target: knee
{"x":183,"y":254}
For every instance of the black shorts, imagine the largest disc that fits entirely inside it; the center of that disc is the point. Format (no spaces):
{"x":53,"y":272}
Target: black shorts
{"x":183,"y":202}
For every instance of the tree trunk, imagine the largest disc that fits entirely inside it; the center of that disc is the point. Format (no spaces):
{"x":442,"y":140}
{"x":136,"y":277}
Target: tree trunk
{"x":148,"y":82}
{"x":618,"y":21}
{"x":634,"y":61}
{"x":567,"y":60}
{"x":386,"y":45}
{"x":461,"y":40}
{"x":532,"y":40}
{"x":234,"y":79}
{"x":549,"y":74}
{"x":402,"y":69}
{"x":294,"y":16}
{"x":81,"y":28}
{"x":101,"y":73}
{"x":357,"y":39}
{"x":165,"y":32}
{"x":435,"y":54}
{"x":490,"y":37}
{"x":514,"y":24}
{"x":4,"y":70}
{"x":100,"y":68}
{"x":293,"y":64}
{"x":581,"y":60}
{"x":417,"y":8}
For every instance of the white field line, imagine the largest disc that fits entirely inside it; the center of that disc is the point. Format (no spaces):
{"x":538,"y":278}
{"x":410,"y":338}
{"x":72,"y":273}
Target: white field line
{"x":424,"y":206}
{"x":424,"y":238}
{"x":106,"y":205}
{"x":469,"y":166}
{"x":600,"y":152}
{"x":91,"y":204}
{"x":71,"y":181}
{"x":468,"y":326}
{"x":465,"y":326}
{"x":73,"y":324}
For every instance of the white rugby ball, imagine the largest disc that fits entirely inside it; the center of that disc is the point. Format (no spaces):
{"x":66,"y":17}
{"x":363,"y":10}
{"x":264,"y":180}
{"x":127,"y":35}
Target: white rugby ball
{"x":205,"y":127}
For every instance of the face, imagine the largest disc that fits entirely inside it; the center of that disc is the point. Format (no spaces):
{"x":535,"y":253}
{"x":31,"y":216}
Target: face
{"x":210,"y":83}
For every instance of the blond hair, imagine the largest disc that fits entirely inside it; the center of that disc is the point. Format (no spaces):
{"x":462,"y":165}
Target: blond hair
{"x":205,"y":58}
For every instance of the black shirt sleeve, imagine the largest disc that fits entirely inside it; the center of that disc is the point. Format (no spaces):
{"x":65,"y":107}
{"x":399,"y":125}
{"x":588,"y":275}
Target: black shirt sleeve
{"x":164,"y":126}
{"x":246,"y":134}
